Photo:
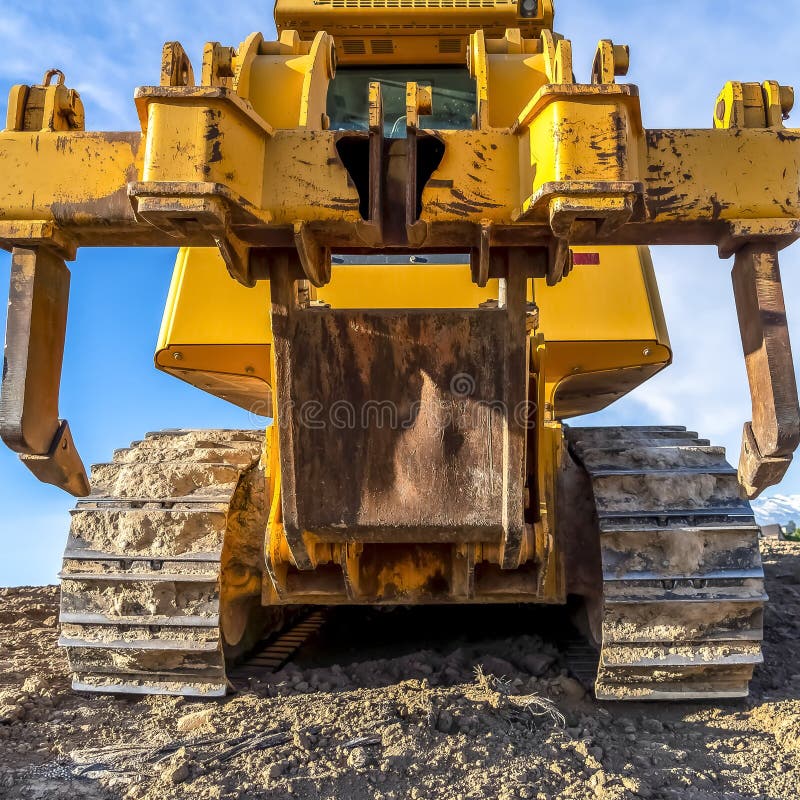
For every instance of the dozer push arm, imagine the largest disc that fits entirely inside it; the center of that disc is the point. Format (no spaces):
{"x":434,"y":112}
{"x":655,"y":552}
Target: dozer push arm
{"x":576,"y":166}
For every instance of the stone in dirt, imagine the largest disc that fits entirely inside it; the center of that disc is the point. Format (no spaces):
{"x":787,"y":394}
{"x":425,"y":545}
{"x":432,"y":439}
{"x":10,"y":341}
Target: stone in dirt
{"x":195,"y":720}
{"x":573,"y":690}
{"x":177,"y":769}
{"x":358,"y":757}
{"x":444,"y":722}
{"x":538,"y":663}
{"x":498,"y":667}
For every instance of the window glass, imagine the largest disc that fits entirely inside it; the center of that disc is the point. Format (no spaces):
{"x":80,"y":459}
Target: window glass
{"x":454,"y":97}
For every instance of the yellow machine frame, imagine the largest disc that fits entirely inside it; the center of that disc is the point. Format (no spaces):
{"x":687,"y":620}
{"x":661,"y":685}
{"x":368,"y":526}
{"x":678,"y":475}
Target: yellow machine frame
{"x":552,"y":192}
{"x":604,"y":323}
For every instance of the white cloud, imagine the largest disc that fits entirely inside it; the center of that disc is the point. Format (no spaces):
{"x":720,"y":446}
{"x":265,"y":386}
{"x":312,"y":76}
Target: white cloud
{"x":106,"y":50}
{"x":777,"y":509}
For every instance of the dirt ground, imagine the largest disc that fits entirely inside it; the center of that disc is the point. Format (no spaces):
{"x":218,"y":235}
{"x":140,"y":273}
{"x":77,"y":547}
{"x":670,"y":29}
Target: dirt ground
{"x":388,"y":723}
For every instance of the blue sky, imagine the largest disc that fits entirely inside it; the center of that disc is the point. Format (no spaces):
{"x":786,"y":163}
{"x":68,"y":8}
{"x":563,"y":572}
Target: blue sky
{"x":681,"y":55}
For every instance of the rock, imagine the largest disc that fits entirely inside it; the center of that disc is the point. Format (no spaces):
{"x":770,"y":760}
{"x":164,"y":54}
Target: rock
{"x":274,"y":770}
{"x":11,"y":713}
{"x":34,"y":685}
{"x":468,"y":723}
{"x":653,"y":726}
{"x":572,"y":689}
{"x":537,"y":663}
{"x":787,"y":734}
{"x":498,"y":667}
{"x":358,"y":758}
{"x":194,"y":721}
{"x":177,"y":774}
{"x":303,"y":740}
{"x":444,"y":722}
{"x":176,"y":770}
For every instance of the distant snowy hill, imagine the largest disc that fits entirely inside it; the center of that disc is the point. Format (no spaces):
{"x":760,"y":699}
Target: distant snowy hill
{"x":777,"y":509}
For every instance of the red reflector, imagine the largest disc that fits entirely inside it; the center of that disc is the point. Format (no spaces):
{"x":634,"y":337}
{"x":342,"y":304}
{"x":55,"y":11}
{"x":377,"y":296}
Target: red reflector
{"x":587,"y":259}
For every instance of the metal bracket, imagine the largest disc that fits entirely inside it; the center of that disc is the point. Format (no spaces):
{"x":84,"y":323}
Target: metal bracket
{"x":769,"y":441}
{"x":45,"y":107}
{"x":34,"y":351}
{"x":610,"y":60}
{"x":397,"y":171}
{"x":315,"y":258}
{"x":176,"y":68}
{"x":557,"y":58}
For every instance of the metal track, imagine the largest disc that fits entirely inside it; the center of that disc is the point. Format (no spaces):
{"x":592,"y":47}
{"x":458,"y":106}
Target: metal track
{"x":683,"y":585}
{"x":272,"y":653}
{"x":140,"y":584}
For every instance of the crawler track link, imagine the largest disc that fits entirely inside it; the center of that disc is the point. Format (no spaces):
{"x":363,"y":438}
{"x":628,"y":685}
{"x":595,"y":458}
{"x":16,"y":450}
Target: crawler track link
{"x":140,"y":583}
{"x":682,"y":581}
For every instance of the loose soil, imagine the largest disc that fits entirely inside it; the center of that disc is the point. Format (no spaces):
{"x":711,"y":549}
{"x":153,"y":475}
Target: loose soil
{"x":403,"y":704}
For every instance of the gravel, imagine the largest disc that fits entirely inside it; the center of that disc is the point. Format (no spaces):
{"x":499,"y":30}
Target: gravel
{"x":479,"y":719}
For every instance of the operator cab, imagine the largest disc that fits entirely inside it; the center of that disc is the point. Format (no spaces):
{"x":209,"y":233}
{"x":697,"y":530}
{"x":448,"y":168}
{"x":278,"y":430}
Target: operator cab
{"x":453,"y":95}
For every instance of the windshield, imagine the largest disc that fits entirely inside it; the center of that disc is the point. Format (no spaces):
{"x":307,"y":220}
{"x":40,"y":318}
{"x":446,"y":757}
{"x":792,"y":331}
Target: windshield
{"x":454,"y":98}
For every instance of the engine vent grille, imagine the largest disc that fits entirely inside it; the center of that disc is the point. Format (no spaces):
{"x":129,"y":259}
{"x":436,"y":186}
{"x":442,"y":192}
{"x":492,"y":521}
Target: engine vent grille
{"x":417,"y":3}
{"x":354,"y":47}
{"x":383,"y":47}
{"x":449,"y":46}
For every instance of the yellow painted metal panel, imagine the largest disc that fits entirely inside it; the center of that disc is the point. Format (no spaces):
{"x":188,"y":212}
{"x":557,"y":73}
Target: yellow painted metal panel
{"x":580,"y":138}
{"x":601,"y":318}
{"x":604,"y":330}
{"x":405,"y":286}
{"x":386,"y":18}
{"x":42,"y":171}
{"x":512,"y":81}
{"x":724,"y":174}
{"x":206,"y":306}
{"x":216,"y":333}
{"x":276,"y":84}
{"x":301,"y":168}
{"x":614,"y":300}
{"x":203,"y":140}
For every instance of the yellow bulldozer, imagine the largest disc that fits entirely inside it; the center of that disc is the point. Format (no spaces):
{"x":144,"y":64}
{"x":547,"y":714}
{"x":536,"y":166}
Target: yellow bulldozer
{"x":417,"y":243}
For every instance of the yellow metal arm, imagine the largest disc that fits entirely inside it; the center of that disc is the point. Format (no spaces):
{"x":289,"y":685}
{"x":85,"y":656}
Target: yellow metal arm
{"x":67,"y":189}
{"x":219,"y":165}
